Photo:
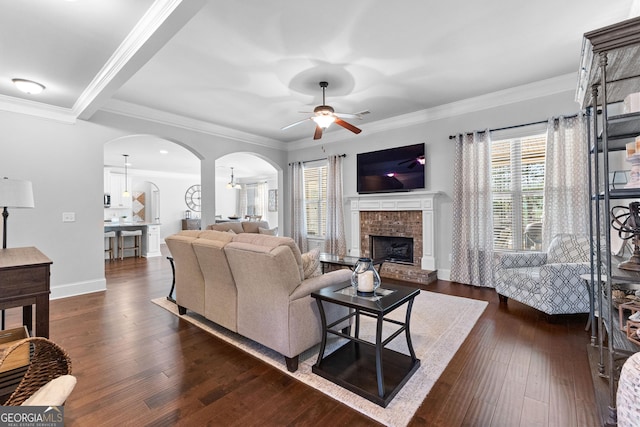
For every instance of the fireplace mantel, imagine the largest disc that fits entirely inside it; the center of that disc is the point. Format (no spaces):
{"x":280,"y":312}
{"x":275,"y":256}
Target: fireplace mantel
{"x":410,"y":201}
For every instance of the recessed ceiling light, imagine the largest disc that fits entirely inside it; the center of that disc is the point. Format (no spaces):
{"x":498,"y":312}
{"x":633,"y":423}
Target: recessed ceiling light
{"x":164,"y":152}
{"x":28,"y":86}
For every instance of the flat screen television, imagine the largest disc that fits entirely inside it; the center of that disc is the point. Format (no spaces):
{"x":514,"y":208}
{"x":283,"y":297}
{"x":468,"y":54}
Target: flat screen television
{"x":393,"y":169}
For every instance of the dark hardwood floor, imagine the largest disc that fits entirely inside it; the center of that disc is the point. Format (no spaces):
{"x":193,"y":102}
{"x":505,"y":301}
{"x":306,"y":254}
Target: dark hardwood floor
{"x":137,"y":364}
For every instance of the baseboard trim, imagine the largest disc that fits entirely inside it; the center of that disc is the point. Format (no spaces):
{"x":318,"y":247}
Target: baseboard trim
{"x":444,"y":274}
{"x":78,"y":288}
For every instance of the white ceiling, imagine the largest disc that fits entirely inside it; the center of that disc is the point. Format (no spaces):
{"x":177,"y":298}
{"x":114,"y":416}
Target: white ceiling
{"x":248,"y":68}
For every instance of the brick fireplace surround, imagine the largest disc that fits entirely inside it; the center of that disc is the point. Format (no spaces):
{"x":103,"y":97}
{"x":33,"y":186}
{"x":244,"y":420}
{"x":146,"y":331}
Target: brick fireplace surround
{"x":397,"y":214}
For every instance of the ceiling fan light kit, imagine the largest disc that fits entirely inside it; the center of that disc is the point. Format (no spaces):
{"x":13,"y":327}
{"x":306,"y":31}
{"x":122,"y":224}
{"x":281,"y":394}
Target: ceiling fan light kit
{"x":325,"y":115}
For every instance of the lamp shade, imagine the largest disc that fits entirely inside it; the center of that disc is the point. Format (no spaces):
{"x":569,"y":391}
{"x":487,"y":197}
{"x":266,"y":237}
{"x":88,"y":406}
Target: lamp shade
{"x":16,"y":193}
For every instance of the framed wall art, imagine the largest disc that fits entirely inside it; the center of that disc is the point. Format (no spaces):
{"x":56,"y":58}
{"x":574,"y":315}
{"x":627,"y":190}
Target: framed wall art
{"x":273,"y":201}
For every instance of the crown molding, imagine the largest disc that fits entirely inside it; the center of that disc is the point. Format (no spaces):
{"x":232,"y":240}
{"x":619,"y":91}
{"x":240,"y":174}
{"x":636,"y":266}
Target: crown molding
{"x":137,"y":41}
{"x":559,"y":84}
{"x":150,"y":114}
{"x":526,"y":92}
{"x":38,"y":109}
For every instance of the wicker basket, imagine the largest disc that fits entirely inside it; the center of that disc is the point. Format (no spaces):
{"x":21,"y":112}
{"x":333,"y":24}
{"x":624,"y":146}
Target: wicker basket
{"x":48,"y":361}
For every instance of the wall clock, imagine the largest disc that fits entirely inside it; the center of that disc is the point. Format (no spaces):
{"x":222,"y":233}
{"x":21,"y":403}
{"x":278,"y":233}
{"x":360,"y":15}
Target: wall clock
{"x":193,"y":198}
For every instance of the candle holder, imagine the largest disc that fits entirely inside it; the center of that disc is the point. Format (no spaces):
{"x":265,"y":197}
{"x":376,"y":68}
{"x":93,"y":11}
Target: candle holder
{"x":365,"y":279}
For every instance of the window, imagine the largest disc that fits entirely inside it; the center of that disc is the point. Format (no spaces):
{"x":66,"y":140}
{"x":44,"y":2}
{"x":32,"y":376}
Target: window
{"x":252,"y":190}
{"x":315,"y":193}
{"x":256,"y":198}
{"x":517,"y":183}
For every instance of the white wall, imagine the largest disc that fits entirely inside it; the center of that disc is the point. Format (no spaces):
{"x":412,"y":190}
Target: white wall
{"x":226,"y":198}
{"x":65,"y":164}
{"x":272,"y":217}
{"x":439,"y":152}
{"x":172,"y":205}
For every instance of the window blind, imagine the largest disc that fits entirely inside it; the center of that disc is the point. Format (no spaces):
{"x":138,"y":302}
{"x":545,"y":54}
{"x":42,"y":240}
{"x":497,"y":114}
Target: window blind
{"x":315,"y":190}
{"x":517,"y":183}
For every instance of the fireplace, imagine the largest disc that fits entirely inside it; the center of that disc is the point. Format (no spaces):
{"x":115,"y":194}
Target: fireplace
{"x":392,"y":248}
{"x":399,"y":215}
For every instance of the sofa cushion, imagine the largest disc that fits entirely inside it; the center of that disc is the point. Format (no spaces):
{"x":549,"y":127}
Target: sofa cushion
{"x":268,"y":231}
{"x":220,"y":293}
{"x":568,"y":248}
{"x":226,"y":226}
{"x":189,"y":233}
{"x":270,"y":242}
{"x":526,"y":278}
{"x":188,"y":276}
{"x":254,"y":226}
{"x":220,"y":236}
{"x":311,"y":263}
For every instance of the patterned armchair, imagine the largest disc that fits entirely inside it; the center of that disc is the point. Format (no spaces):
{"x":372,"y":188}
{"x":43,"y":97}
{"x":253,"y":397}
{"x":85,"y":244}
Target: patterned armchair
{"x":547,"y":281}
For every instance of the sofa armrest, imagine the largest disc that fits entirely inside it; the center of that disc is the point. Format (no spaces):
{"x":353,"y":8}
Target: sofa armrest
{"x":563,"y":289}
{"x":313,"y":284}
{"x":553,"y":275}
{"x":519,"y":259}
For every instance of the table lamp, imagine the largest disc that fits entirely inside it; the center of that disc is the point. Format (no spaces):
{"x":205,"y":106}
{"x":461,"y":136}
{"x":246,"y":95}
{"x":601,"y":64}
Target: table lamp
{"x":14,"y":193}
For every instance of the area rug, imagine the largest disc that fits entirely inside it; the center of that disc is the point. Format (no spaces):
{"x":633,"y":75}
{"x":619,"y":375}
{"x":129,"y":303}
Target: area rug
{"x":439,"y":325}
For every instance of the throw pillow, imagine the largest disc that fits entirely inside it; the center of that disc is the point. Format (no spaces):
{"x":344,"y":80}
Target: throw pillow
{"x":53,"y":393}
{"x":311,"y":263}
{"x":268,"y":231}
{"x":231,"y":231}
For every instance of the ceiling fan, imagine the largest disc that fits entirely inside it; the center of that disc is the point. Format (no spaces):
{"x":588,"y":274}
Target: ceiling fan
{"x":324,"y":115}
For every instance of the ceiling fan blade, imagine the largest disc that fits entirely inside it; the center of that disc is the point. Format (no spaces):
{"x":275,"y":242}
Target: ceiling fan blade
{"x":295,"y":124}
{"x":352,"y":115}
{"x":348,"y":126}
{"x":318,"y":133}
{"x":348,"y":115}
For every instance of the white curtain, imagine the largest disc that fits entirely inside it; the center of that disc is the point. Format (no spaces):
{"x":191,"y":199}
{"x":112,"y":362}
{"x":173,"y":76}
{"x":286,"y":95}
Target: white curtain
{"x":472,"y":253}
{"x":566,"y":192}
{"x":261,"y":199}
{"x":298,"y":212}
{"x":241,"y":201}
{"x":335,"y":240}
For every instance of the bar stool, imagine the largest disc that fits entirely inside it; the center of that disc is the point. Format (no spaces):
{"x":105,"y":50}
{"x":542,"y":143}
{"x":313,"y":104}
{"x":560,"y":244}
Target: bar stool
{"x":137,"y":242}
{"x":111,"y":236}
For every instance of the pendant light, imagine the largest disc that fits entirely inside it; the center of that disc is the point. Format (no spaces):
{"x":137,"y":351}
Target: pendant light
{"x":125,"y":193}
{"x":233,"y":184}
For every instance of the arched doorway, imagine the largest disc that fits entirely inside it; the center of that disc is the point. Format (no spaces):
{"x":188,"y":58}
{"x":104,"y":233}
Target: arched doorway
{"x":158,"y":173}
{"x":257,"y":190}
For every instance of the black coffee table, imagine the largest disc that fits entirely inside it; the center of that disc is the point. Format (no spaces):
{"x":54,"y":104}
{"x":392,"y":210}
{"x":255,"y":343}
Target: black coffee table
{"x":368,"y":369}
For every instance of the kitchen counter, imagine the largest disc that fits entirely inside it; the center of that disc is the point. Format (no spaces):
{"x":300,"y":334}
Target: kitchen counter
{"x":109,"y":224}
{"x":150,"y":235}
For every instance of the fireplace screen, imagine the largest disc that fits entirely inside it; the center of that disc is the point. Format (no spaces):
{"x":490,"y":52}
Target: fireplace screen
{"x":392,"y":249}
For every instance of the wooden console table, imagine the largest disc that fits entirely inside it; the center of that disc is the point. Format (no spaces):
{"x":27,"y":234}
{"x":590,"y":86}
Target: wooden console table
{"x":24,"y":280}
